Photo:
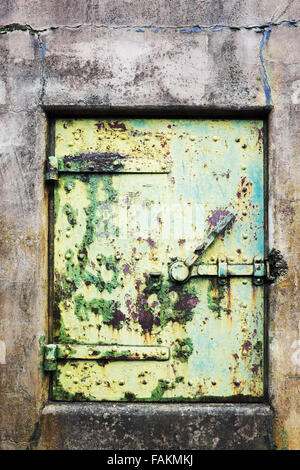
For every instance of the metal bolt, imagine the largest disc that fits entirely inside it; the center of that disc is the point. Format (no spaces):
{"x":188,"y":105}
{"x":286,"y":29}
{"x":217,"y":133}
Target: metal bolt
{"x":98,"y":382}
{"x":69,"y":187}
{"x":155,"y":257}
{"x":245,"y":282}
{"x":237,"y":383}
{"x":245,"y":258}
{"x":245,"y":235}
{"x":122,"y":382}
{"x":169,"y":137}
{"x":81,"y":256}
{"x":192,"y":138}
{"x":68,"y":164}
{"x":68,"y":211}
{"x":167,"y":381}
{"x":124,"y":137}
{"x":231,"y":258}
{"x":215,"y":138}
{"x":213,"y":382}
{"x":137,"y":257}
{"x":244,"y":189}
{"x":163,"y":166}
{"x":244,"y":146}
{"x":244,"y":212}
{"x":91,"y":167}
{"x":258,"y":279}
{"x":68,"y":256}
{"x":144,"y":382}
{"x":75,"y":381}
{"x":244,"y":305}
{"x":116,"y":163}
{"x":98,"y":258}
{"x":68,"y":374}
{"x":163,"y":353}
{"x":138,"y":168}
{"x":100,"y":137}
{"x":222,"y":260}
{"x":68,"y":234}
{"x":68,"y":279}
{"x":237,"y":139}
{"x":244,"y":168}
{"x":244,"y":352}
{"x":212,"y":258}
{"x":190,"y":382}
{"x":90,"y":352}
{"x":68,"y":304}
{"x":244,"y":328}
{"x":117,"y":257}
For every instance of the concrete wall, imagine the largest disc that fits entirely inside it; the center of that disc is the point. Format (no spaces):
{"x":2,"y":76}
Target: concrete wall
{"x":116,"y":57}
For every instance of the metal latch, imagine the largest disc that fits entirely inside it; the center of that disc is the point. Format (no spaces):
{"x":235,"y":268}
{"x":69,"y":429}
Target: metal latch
{"x":259,"y":270}
{"x":53,"y":352}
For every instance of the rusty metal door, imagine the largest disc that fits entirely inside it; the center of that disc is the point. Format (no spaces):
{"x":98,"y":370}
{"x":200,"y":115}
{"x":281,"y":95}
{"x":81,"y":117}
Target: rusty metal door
{"x":158,"y":260}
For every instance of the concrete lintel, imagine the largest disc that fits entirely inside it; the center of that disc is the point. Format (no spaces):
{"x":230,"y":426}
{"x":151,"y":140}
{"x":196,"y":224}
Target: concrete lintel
{"x":121,"y":426}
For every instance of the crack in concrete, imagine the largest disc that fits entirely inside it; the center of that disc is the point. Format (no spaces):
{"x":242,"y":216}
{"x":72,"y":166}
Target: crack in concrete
{"x":42,"y":46}
{"x":281,"y":9}
{"x":263,"y":71}
{"x":4,"y":29}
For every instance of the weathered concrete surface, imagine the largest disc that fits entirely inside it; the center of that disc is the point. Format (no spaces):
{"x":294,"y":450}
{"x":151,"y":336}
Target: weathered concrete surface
{"x":119,"y":427}
{"x":157,"y":13}
{"x":284,"y":169}
{"x":110,"y":69}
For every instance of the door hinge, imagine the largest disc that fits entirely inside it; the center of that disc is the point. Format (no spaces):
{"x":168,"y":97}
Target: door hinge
{"x":104,"y":163}
{"x":53,"y":352}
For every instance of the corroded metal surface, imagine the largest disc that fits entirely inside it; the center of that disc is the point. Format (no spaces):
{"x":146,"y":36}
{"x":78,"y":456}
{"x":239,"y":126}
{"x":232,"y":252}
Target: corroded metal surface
{"x":115,"y":236}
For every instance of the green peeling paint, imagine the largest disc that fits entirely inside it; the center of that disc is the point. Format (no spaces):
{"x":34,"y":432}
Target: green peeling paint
{"x":183,"y":349}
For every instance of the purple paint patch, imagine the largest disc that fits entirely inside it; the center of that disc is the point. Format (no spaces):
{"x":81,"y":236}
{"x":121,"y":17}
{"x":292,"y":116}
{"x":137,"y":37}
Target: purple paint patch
{"x":247,"y":345}
{"x":216,"y":216}
{"x":181,"y":241}
{"x":254,"y":368}
{"x":137,"y":284}
{"x":150,"y":242}
{"x":192,"y":302}
{"x":126,"y":269}
{"x":117,"y":125}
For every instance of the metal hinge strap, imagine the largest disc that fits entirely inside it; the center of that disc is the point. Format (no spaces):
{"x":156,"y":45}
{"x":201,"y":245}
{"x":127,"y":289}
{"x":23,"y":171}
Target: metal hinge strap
{"x":104,"y":163}
{"x":53,"y":352}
